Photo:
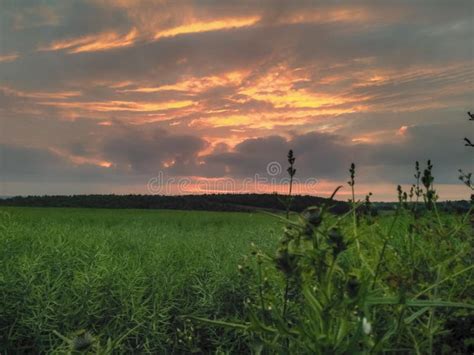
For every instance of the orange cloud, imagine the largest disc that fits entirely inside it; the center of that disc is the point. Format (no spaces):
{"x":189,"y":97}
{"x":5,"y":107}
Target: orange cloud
{"x":202,"y":26}
{"x":362,"y":140}
{"x":277,"y":87}
{"x":8,"y":57}
{"x":195,"y":85}
{"x":347,"y":14}
{"x":110,"y":40}
{"x":106,"y":106}
{"x":57,"y":95}
{"x":351,"y":15}
{"x":105,"y":123}
{"x":402,"y":130}
{"x":291,"y":106}
{"x":80,"y":160}
{"x":92,"y":43}
{"x":264,"y":120}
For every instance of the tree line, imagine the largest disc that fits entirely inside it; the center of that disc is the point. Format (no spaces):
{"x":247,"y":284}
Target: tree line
{"x":208,"y":202}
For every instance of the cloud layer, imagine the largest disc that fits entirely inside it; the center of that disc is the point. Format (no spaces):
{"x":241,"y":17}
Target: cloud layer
{"x":113,"y":91}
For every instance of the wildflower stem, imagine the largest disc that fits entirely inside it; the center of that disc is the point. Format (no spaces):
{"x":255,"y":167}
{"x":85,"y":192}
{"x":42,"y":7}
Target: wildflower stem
{"x":353,"y":202}
{"x":354,"y":218}
{"x":291,"y":172}
{"x":288,"y":206}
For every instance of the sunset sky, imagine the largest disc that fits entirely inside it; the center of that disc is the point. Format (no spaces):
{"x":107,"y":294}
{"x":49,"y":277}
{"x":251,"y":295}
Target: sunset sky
{"x":101,"y":96}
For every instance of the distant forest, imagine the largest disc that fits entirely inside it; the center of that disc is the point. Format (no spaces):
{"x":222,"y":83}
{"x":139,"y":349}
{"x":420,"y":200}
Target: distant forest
{"x":211,"y":202}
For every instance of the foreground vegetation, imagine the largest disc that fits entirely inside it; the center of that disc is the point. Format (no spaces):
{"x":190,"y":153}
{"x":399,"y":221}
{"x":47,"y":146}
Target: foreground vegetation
{"x":163,"y":281}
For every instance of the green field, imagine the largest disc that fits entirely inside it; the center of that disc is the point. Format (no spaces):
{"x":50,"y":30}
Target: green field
{"x":113,"y":270}
{"x":132,"y":278}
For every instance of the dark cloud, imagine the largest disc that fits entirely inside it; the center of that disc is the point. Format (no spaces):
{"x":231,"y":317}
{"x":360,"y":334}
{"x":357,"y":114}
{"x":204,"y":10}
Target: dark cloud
{"x":133,"y":158}
{"x":147,"y":152}
{"x":328,"y":156}
{"x":33,"y":165}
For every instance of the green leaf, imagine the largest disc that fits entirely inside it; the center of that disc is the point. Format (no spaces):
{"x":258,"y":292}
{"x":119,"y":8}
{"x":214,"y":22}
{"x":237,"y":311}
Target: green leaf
{"x":373,"y":301}
{"x":220,"y":323}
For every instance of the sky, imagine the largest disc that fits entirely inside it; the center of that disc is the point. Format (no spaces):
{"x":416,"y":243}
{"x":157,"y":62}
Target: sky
{"x":175,"y":97}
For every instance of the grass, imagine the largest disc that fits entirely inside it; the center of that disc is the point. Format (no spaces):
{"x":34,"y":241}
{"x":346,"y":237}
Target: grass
{"x":141,"y":281}
{"x":121,"y":272}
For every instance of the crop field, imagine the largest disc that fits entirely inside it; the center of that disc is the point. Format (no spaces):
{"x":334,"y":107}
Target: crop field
{"x":120,"y":272}
{"x":139,"y":281}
